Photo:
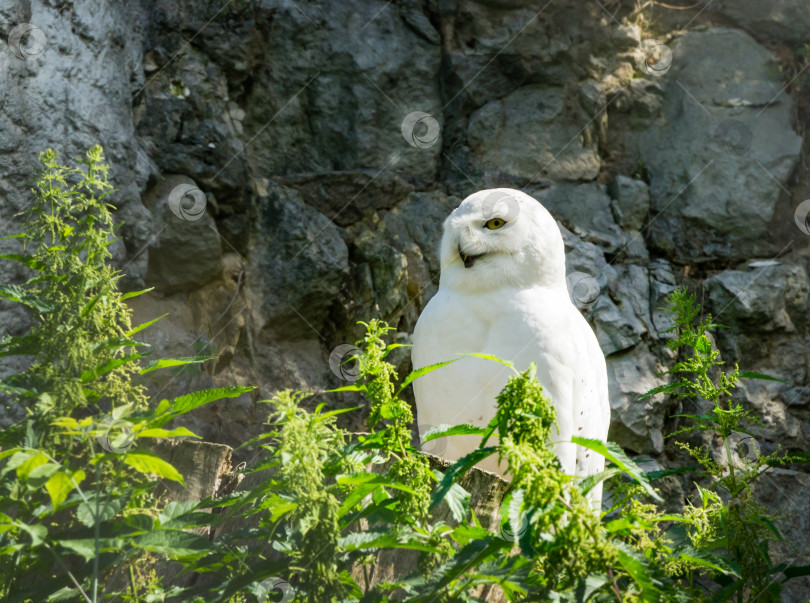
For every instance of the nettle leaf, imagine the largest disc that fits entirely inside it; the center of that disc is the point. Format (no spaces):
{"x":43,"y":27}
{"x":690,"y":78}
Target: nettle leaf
{"x":86,"y":546}
{"x":587,"y":483}
{"x":172,"y":362}
{"x":174,"y":543}
{"x":31,"y":299}
{"x":636,"y":565}
{"x":457,"y":470}
{"x":440,"y":431}
{"x":614,"y":453}
{"x":148,"y":464}
{"x":414,"y":375}
{"x":175,"y":509}
{"x":110,"y":365}
{"x":753,"y":375}
{"x":183,"y":404}
{"x":374,"y":479}
{"x":158,"y":432}
{"x":107,"y":509}
{"x":24,"y":258}
{"x":28,"y":462}
{"x":125,"y":296}
{"x":385,"y":539}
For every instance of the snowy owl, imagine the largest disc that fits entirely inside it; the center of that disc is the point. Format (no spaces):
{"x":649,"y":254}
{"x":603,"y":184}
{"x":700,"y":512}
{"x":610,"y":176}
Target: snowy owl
{"x":502,"y":291}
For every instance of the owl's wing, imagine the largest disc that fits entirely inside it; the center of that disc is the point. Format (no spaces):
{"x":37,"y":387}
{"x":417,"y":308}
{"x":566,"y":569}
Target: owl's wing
{"x":461,"y":392}
{"x":548,"y":329}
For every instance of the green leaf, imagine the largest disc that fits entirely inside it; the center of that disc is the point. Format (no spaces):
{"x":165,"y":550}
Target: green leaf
{"x":635,"y":565}
{"x":23,"y":258}
{"x":654,"y":475}
{"x":387,"y":540}
{"x":457,"y":499}
{"x":107,"y":509}
{"x":515,"y":515}
{"x":30,"y":462}
{"x":614,"y":453}
{"x":440,"y":431}
{"x":148,"y":464}
{"x":158,"y":432}
{"x":31,"y":299}
{"x":90,"y":305}
{"x":345,"y":388}
{"x":796,"y":572}
{"x":125,"y":296}
{"x":37,"y":532}
{"x":414,"y":375}
{"x":86,"y":547}
{"x":175,"y":509}
{"x":110,"y":365}
{"x":394,"y":346}
{"x":60,"y":485}
{"x":506,"y":363}
{"x":456,"y":470}
{"x":587,"y":483}
{"x":373,"y":479}
{"x":663,"y":388}
{"x":171,"y":362}
{"x":168,"y":411}
{"x":753,"y":375}
{"x":173,"y":543}
{"x":25,"y":345}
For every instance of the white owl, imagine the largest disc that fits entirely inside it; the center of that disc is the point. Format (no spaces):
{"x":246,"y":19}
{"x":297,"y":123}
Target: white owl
{"x":502,"y":291}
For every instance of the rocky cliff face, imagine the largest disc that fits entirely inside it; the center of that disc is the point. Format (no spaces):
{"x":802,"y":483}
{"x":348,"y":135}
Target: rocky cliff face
{"x":283,"y":169}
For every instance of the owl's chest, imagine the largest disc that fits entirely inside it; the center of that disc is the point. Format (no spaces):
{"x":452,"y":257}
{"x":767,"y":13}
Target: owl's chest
{"x":486,"y":323}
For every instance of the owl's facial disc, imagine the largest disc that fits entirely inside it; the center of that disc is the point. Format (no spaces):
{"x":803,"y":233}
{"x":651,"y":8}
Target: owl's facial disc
{"x":467,"y":258}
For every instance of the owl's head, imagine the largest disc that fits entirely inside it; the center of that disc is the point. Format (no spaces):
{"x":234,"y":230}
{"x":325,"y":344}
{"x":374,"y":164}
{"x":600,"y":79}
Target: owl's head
{"x":498,"y":238}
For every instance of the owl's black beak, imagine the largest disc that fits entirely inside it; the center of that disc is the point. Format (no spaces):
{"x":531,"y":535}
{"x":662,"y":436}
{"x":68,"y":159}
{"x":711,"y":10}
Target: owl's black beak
{"x":467,"y":258}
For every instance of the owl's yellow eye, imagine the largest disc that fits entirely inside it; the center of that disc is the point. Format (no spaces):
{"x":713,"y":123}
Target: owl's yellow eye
{"x":494,"y":223}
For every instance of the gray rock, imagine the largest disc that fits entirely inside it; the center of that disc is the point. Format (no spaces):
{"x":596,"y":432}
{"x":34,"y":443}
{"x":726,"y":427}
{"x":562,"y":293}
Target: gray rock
{"x":697,"y":157}
{"x":585,"y":209}
{"x":630,"y":202}
{"x":531,"y":133}
{"x":617,"y":327}
{"x":345,"y":196}
{"x":298,"y":263}
{"x":771,"y":298}
{"x":191,"y":241}
{"x":783,"y":20}
{"x":787,"y":493}
{"x":626,"y":37}
{"x":340,"y":79}
{"x":662,"y":283}
{"x":634,"y":424}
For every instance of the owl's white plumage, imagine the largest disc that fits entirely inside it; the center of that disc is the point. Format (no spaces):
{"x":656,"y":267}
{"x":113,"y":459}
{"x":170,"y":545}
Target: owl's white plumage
{"x":508,"y":299}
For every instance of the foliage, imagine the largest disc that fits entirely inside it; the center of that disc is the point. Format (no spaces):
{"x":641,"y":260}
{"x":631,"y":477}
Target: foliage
{"x":80,"y":517}
{"x":77,"y":483}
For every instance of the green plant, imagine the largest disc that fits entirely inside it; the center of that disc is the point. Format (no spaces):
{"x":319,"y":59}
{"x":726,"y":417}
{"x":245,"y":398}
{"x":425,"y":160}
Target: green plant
{"x":77,"y":500}
{"x":728,"y":521}
{"x":80,"y":518}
